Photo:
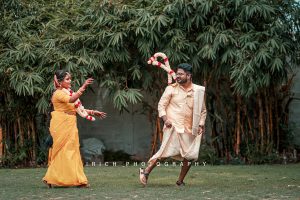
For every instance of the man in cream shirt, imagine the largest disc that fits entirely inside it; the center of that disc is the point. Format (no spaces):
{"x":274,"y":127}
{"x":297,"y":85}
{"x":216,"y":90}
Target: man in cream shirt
{"x":182,"y":108}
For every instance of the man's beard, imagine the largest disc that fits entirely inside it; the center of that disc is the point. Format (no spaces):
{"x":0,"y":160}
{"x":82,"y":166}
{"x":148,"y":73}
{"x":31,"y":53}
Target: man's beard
{"x":182,"y":81}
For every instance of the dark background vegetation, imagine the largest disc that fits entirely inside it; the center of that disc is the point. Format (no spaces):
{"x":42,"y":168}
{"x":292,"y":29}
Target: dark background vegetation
{"x":244,"y":52}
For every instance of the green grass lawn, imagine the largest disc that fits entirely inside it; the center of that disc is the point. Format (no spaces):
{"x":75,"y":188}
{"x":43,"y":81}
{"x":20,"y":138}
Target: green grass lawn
{"x":202,"y":182}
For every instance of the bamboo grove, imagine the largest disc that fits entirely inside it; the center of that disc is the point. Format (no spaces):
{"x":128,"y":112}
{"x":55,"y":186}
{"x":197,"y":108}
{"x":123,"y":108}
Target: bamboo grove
{"x":244,"y":52}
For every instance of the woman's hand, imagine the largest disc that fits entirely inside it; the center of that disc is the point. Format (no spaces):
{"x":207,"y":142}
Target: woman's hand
{"x":88,"y":81}
{"x":99,"y":114}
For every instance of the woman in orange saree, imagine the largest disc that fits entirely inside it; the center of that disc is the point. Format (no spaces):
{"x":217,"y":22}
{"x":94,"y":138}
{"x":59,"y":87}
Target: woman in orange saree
{"x":65,"y":167}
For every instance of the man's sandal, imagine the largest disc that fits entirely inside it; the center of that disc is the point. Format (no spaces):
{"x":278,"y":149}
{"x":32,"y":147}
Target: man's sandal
{"x":143,"y":176}
{"x":180,"y":183}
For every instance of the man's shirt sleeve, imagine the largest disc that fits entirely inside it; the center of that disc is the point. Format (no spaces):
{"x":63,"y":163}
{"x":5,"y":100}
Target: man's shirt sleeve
{"x":203,"y":114}
{"x":164,"y":101}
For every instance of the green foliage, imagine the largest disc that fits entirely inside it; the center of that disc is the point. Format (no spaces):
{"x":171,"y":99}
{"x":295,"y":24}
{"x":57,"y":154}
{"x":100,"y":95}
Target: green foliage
{"x":243,"y":47}
{"x":15,"y":157}
{"x":257,"y":157}
{"x":247,"y":39}
{"x":208,"y":155}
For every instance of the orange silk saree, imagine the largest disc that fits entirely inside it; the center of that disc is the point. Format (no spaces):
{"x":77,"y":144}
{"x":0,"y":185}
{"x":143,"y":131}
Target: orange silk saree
{"x":65,"y":167}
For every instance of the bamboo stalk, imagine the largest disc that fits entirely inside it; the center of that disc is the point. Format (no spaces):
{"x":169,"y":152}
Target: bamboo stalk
{"x":271,"y":122}
{"x":243,"y":135}
{"x":222,"y":129}
{"x":224,"y":132}
{"x":251,"y":129}
{"x":271,"y":125}
{"x":277,"y":125}
{"x":16,"y":136}
{"x":21,"y":133}
{"x":268,"y":112}
{"x":238,"y":125}
{"x":34,"y":145}
{"x":29,"y":138}
{"x":249,"y":124}
{"x":4,"y":138}
{"x":261,"y":122}
{"x":1,"y":143}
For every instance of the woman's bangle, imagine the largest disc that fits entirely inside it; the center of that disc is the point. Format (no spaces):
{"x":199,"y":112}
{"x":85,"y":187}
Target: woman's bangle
{"x":91,"y":112}
{"x":79,"y":92}
{"x":81,"y":89}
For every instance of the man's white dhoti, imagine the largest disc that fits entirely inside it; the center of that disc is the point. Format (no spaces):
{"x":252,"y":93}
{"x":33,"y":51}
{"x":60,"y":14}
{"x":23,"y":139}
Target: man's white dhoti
{"x":178,"y":146}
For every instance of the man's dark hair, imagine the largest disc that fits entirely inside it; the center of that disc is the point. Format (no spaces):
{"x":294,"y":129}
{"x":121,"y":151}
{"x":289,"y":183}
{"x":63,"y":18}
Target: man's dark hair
{"x":187,"y":68}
